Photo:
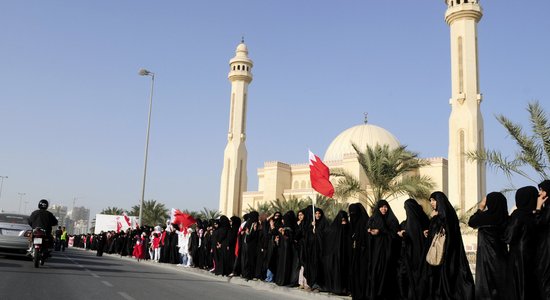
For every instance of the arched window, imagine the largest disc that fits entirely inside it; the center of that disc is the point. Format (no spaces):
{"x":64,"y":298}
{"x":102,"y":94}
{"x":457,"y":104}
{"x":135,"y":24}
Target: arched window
{"x":303,"y":184}
{"x":239,"y":67}
{"x":296,"y":185}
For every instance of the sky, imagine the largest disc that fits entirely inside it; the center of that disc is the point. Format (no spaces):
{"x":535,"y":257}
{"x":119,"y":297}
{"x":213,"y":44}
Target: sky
{"x":73,"y":109}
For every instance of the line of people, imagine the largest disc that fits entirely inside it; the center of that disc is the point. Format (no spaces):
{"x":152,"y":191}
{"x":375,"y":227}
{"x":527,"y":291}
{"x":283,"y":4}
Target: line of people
{"x":367,"y":257}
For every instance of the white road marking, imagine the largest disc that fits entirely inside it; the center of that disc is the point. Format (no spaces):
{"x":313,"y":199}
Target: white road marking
{"x":107,"y":283}
{"x":126,"y":296}
{"x":94,"y":275}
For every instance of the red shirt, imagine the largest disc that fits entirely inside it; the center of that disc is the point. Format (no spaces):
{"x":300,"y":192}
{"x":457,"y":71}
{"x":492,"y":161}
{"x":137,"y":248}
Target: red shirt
{"x":156,"y":242}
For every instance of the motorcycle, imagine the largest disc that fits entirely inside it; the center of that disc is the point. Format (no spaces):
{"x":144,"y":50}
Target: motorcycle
{"x":39,"y":249}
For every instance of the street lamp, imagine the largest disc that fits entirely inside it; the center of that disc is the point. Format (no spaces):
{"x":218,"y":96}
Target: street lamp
{"x":144,"y":72}
{"x":1,"y":185}
{"x":20,"y":200}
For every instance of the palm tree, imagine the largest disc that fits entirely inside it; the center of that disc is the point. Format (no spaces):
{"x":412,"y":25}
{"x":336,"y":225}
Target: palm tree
{"x":534,"y":149}
{"x":390,"y":173}
{"x":192,"y":213}
{"x":153,"y":213}
{"x":330,"y":206}
{"x":285,"y":205}
{"x":263,"y":208}
{"x":208,"y":214}
{"x":112,"y":211}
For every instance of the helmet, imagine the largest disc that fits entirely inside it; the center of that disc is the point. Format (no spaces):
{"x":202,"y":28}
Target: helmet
{"x":43,"y":204}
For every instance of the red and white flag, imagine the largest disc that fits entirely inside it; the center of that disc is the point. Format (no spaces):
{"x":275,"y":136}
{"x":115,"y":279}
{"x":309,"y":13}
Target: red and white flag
{"x":180,"y":218}
{"x":127,"y":219}
{"x":319,"y":175}
{"x":118,"y":224}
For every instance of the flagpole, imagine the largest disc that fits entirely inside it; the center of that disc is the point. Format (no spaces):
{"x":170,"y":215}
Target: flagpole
{"x":313,"y":202}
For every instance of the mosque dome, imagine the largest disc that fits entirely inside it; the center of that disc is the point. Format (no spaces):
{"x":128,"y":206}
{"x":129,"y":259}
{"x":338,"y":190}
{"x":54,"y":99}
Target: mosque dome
{"x":361,"y":135}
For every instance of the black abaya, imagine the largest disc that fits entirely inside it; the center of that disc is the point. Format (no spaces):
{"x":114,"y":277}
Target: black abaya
{"x":314,"y":252}
{"x":383,"y":254}
{"x":337,"y":255}
{"x":413,"y":251}
{"x":492,"y":252}
{"x":249,"y":246}
{"x":221,"y":252}
{"x":453,"y":278}
{"x":359,"y":218}
{"x":543,"y":244}
{"x":287,"y":255}
{"x":520,"y":235}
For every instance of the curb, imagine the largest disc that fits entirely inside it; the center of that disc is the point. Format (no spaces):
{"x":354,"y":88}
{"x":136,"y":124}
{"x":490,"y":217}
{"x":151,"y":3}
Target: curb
{"x":256,"y":284}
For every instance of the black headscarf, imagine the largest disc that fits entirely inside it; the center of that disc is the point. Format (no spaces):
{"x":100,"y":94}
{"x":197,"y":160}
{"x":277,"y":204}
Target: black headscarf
{"x":444,"y":209}
{"x":545,"y":186}
{"x":289,"y":220}
{"x":417,"y":220}
{"x":526,"y":202}
{"x":235,"y":223}
{"x":496,"y":213}
{"x":357,"y":214}
{"x":388,"y":221}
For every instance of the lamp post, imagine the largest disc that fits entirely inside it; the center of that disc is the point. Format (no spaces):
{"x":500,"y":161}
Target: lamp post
{"x":1,"y":185}
{"x":144,"y":72}
{"x":20,"y":200}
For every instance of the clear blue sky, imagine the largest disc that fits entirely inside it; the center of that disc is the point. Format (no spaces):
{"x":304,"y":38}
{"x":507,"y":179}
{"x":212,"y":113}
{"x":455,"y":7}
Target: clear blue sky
{"x":73,"y":110}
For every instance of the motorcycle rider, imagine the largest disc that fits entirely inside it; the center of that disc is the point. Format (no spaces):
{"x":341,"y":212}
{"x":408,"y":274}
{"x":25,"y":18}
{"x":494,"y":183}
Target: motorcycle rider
{"x":57,"y":242}
{"x":43,"y":218}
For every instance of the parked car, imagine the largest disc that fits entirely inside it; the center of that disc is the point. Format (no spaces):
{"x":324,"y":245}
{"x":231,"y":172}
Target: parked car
{"x":14,"y":234}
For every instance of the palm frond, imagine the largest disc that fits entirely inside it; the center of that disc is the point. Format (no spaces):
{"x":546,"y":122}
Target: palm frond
{"x":529,"y":153}
{"x":541,"y":129}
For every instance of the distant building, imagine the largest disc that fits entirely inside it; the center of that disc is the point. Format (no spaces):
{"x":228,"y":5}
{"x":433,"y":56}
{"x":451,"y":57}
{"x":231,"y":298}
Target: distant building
{"x":60,"y":212}
{"x":80,"y":217}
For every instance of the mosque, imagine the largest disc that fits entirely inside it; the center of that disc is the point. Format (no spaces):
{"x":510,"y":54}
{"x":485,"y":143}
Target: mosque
{"x":462,"y":180}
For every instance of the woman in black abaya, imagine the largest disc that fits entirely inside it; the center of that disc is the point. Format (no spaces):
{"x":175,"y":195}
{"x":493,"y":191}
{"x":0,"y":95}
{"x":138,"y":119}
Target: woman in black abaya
{"x":383,"y":227}
{"x":453,"y":278}
{"x":359,"y":219}
{"x":314,"y":250}
{"x":490,"y":220}
{"x":302,"y":228}
{"x":520,"y":234}
{"x":287,"y":255}
{"x":233,"y":238}
{"x":337,"y":255}
{"x":413,"y":251}
{"x":543,"y":240}
{"x":249,"y":246}
{"x":221,"y":251}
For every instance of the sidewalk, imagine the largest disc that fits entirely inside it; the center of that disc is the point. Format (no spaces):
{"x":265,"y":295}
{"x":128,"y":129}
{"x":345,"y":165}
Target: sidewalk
{"x":255,"y":284}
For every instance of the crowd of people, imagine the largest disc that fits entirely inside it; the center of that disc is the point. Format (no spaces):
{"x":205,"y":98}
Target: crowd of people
{"x":366,"y":256}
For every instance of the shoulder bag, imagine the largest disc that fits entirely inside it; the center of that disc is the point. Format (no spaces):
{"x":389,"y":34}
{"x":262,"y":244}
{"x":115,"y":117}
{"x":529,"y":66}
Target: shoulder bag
{"x":437,"y":249}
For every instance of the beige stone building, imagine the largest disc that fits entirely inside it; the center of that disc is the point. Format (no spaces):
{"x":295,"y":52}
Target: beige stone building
{"x":278,"y":179}
{"x":463,"y":181}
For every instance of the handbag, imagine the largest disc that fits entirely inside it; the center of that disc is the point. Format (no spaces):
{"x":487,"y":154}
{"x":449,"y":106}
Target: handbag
{"x":434,"y":256}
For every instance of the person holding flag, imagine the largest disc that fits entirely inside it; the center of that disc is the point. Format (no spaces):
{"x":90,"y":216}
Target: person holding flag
{"x":319,"y":175}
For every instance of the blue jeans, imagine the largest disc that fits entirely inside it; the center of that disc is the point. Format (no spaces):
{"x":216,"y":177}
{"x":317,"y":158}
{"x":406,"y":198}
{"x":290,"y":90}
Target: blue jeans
{"x":183,"y":259}
{"x":269,"y":276}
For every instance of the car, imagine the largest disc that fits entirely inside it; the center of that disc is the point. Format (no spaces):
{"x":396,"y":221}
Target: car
{"x":15,"y":233}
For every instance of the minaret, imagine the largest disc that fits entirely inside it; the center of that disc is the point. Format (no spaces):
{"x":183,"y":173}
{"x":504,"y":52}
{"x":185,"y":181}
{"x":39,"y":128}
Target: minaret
{"x":234,"y":178}
{"x":466,"y":177}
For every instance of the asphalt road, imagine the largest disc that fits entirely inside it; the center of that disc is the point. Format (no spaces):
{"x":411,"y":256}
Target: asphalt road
{"x":77,"y":274}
